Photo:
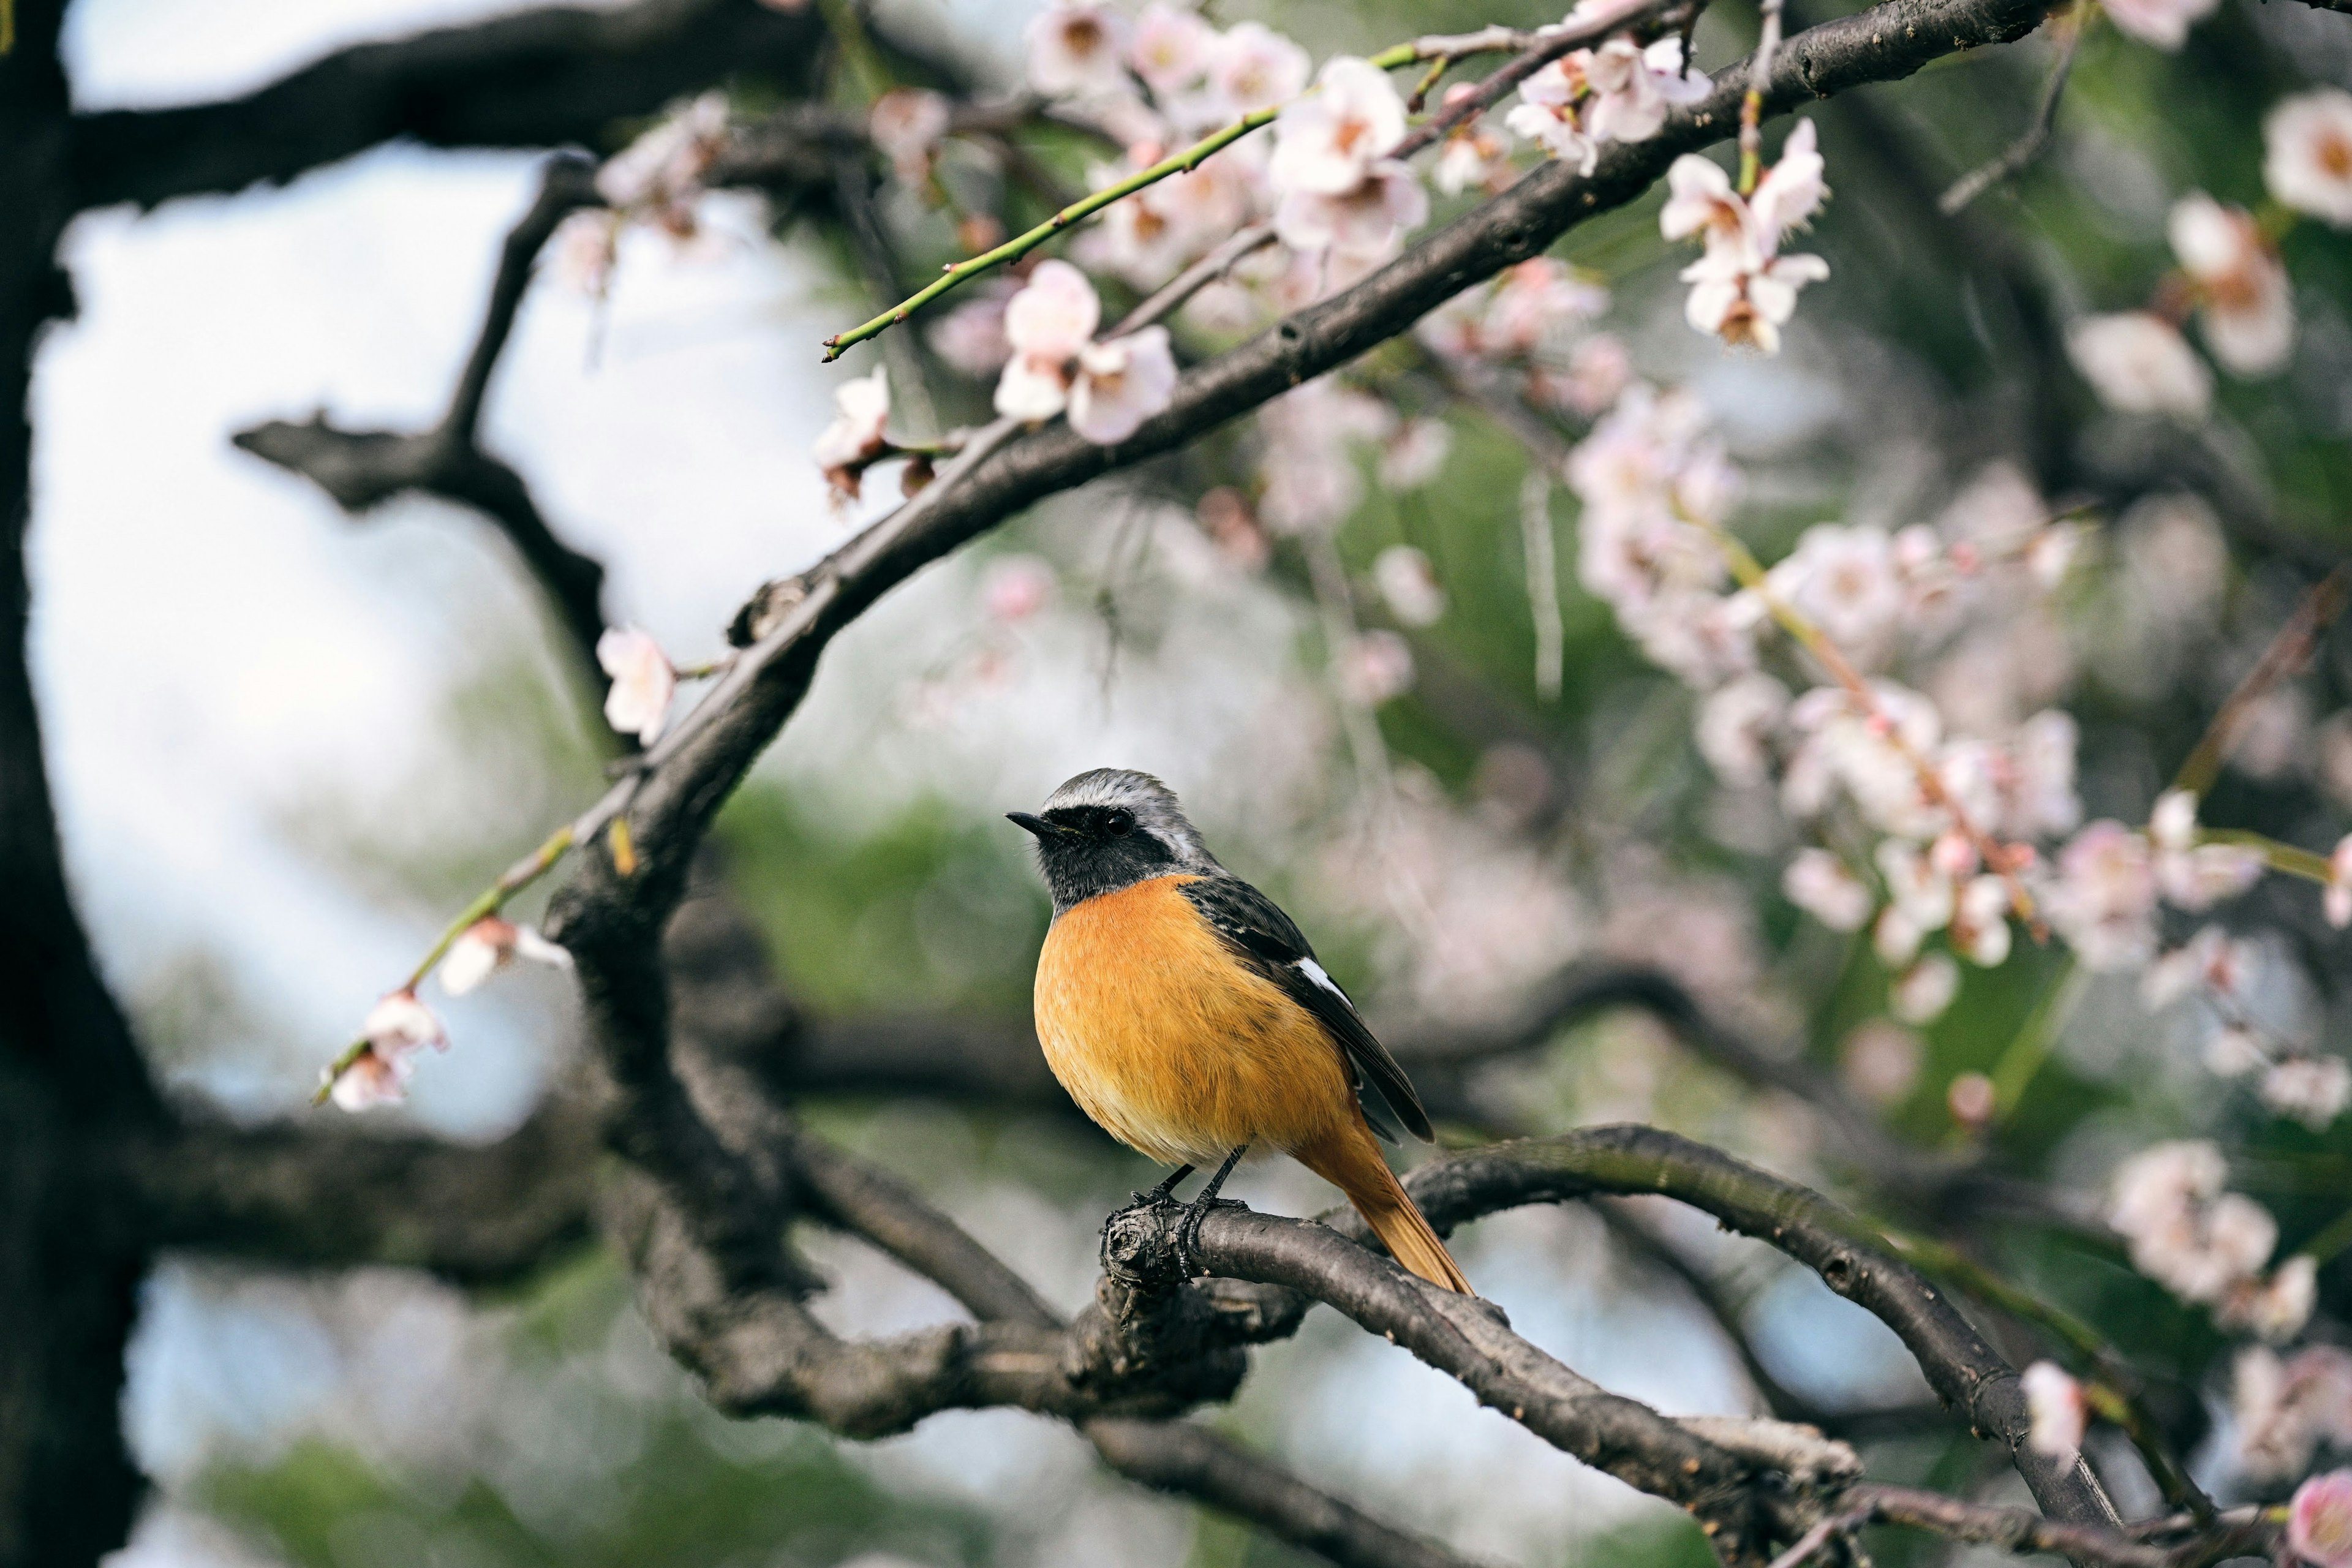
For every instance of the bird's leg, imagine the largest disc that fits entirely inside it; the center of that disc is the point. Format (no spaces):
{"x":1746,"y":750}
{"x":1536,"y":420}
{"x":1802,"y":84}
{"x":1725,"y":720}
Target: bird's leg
{"x":1163,"y":1194}
{"x":1188,"y":1229}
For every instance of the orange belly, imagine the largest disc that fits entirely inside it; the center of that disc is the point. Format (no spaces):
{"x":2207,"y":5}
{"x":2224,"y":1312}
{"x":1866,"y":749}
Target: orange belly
{"x":1171,"y":1046}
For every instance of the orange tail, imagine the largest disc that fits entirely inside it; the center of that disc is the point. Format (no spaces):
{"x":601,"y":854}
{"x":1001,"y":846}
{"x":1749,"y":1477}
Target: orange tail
{"x":1351,"y":1161}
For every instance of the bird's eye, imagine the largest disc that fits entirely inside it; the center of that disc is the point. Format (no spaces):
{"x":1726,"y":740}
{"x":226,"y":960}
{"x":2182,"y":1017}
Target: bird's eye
{"x":1120,"y":822}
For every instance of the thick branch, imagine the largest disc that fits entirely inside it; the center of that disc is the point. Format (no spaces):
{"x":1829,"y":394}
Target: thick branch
{"x":538,"y":79}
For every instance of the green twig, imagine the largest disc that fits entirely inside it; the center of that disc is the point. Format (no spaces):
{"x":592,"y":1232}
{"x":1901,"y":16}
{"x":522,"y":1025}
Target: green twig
{"x":1020,"y":245}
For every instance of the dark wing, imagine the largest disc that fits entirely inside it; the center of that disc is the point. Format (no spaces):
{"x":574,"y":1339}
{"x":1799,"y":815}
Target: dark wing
{"x":1257,"y":933}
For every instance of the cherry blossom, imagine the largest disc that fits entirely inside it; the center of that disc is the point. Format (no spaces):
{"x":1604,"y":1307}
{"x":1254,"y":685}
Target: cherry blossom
{"x":971,"y":337}
{"x":1408,"y":586}
{"x":1973,"y":1100}
{"x":2139,"y":364}
{"x":907,"y":123}
{"x":1253,"y":68}
{"x":1743,"y":289}
{"x":1016,"y":587}
{"x":2320,"y":1520}
{"x":1735,"y":727}
{"x":2193,"y":876}
{"x":2057,"y":1409}
{"x":1922,"y":994}
{"x":2307,"y":153}
{"x":1818,"y":882}
{"x":1309,"y":478}
{"x":1375,"y":667}
{"x":1327,"y":142}
{"x":1634,"y":88}
{"x":1980,"y":922}
{"x":644,"y":683}
{"x":1075,"y":49}
{"x":2163,"y":23}
{"x":855,"y":439}
{"x":2285,"y":1409}
{"x":1881,"y":1062}
{"x":490,"y":944}
{"x":1108,"y":388}
{"x":395,"y":1029}
{"x":371,"y":1081}
{"x":1843,"y":580}
{"x":2185,"y":1232}
{"x":2311,"y":1090}
{"x":1475,"y":153}
{"x":1546,"y":113}
{"x":1172,"y":49}
{"x":658,"y":177}
{"x":1361,"y":222}
{"x":1414,"y":453}
{"x":2243,"y":303}
{"x":1121,"y":384}
{"x":2275,"y":1309}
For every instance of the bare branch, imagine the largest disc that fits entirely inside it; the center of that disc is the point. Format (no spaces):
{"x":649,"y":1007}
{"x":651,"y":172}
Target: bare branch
{"x":2028,"y":147}
{"x":537,"y":79}
{"x":363,"y":468}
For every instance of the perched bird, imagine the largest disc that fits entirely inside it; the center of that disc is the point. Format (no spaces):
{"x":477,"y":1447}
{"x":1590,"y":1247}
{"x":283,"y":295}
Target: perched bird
{"x":1185,"y":1013}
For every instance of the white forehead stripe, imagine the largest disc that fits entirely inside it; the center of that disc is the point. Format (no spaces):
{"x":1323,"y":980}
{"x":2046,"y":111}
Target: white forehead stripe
{"x":1314,"y":971}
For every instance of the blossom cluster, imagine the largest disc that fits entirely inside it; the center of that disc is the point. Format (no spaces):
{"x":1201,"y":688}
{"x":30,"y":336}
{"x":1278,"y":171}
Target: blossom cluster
{"x":2208,"y":1246}
{"x":2228,"y":275}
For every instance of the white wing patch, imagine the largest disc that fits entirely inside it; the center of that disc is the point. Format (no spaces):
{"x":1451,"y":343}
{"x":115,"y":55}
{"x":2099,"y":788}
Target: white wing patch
{"x":1314,"y":971}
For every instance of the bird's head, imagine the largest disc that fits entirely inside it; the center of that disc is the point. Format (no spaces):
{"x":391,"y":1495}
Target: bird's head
{"x":1109,"y":829}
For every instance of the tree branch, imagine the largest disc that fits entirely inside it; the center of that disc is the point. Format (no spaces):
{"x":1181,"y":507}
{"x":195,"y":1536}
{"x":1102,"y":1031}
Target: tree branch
{"x":537,"y":79}
{"x":363,"y":468}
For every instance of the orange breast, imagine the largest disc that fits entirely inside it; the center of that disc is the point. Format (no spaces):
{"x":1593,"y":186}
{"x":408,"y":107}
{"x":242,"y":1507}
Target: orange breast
{"x":1175,"y":1048}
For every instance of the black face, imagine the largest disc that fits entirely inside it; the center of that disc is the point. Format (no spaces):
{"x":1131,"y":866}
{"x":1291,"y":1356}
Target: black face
{"x":1088,"y":850}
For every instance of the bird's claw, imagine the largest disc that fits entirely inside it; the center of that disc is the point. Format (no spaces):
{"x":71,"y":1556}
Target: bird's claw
{"x":1188,"y":1232}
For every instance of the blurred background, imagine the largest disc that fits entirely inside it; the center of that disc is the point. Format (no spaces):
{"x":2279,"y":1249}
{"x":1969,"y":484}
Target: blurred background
{"x":287,"y":743}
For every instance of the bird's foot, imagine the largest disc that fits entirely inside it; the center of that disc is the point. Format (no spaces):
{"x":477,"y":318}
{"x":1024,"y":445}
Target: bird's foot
{"x":1188,"y":1232}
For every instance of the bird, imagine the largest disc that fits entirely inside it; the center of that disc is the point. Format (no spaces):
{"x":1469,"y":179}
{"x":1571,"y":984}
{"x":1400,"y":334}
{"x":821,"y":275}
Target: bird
{"x":1187,"y":1014}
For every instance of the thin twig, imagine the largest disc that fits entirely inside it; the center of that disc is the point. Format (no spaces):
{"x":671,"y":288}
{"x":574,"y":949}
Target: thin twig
{"x":2287,"y":655}
{"x":2068,"y":30}
{"x":1212,"y":267}
{"x":1751,"y":107}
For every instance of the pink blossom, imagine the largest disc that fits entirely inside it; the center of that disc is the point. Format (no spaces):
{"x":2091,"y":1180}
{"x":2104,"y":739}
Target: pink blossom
{"x":1737,"y":725}
{"x":2275,"y":1309}
{"x":2307,"y":153}
{"x":1922,"y":994}
{"x":490,"y":944}
{"x":2311,"y":1090}
{"x":1360,"y":221}
{"x":908,"y":123}
{"x":1972,"y":1100}
{"x":1409,"y":584}
{"x":1121,"y":384}
{"x":1075,"y":48}
{"x":1818,"y":882}
{"x":371,"y":1081}
{"x":1843,"y":581}
{"x":1254,"y":68}
{"x":971,"y":337}
{"x":1598,"y":371}
{"x":2336,"y":901}
{"x":1881,"y":1062}
{"x":2320,"y":1520}
{"x":1414,"y":453}
{"x":1533,"y":302}
{"x":854,"y":438}
{"x":2163,"y":23}
{"x":2139,"y":364}
{"x":643,"y":681}
{"x":2058,"y":1410}
{"x":1375,"y":667}
{"x":1172,"y":49}
{"x":2185,"y":1232}
{"x":2285,"y":1409}
{"x":399,"y":1026}
{"x":2210,"y":962}
{"x":1746,"y":302}
{"x":1701,"y":202}
{"x":1327,"y":142}
{"x":1634,"y":88}
{"x":1980,"y":922}
{"x":1016,"y":587}
{"x":2244,"y":304}
{"x":2103,"y":902}
{"x":1054,"y":315}
{"x":1476,"y":153}
{"x":659,"y":176}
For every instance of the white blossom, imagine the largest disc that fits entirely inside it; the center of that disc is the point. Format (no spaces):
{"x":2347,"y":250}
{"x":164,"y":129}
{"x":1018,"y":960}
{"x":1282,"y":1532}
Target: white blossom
{"x":1409,"y":584}
{"x":644,"y":683}
{"x":1818,"y":882}
{"x":2139,"y":364}
{"x":1326,"y":142}
{"x":1254,"y":68}
{"x":908,"y":123}
{"x":2283,"y":1409}
{"x":1981,"y":921}
{"x":2186,"y":1233}
{"x":1172,"y":49}
{"x":1736,"y":726}
{"x":1375,"y":667}
{"x":371,"y":1081}
{"x":2104,"y":900}
{"x":1414,"y":453}
{"x":1921,"y":994}
{"x":1361,"y":222}
{"x":1634,"y":88}
{"x":2163,"y":23}
{"x":1843,"y":581}
{"x":2243,"y":303}
{"x":1546,"y":113}
{"x":490,"y":944}
{"x":1121,"y":384}
{"x":2307,"y":153}
{"x":1076,"y":49}
{"x":2057,"y":1409}
{"x":854,"y":438}
{"x":659,"y":176}
{"x":2311,"y":1090}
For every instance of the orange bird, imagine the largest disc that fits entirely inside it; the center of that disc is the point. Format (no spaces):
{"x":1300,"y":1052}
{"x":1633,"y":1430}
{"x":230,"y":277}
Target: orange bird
{"x":1185,"y":1013}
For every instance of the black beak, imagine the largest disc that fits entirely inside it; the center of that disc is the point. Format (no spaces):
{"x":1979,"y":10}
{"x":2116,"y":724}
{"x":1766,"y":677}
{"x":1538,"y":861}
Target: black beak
{"x":1028,"y":823}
